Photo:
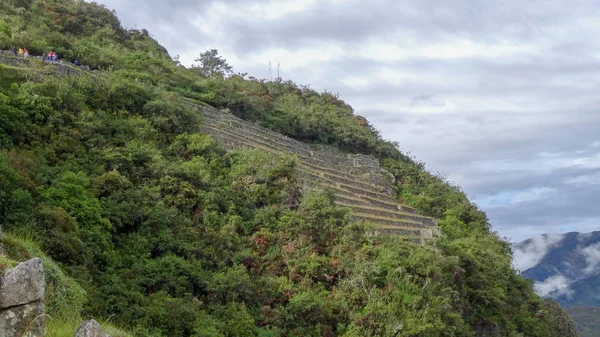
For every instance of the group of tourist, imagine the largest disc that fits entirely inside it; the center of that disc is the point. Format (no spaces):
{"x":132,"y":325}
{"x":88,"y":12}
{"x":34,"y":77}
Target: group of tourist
{"x":50,"y":57}
{"x":23,"y":52}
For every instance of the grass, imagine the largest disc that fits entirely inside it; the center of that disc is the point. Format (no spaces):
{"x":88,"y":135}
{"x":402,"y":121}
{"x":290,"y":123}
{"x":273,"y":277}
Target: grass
{"x":6,"y":263}
{"x":65,"y":327}
{"x":379,"y":219}
{"x":64,"y":298}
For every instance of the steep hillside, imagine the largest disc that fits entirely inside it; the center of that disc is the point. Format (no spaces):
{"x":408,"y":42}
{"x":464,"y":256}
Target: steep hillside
{"x":357,"y":181}
{"x":121,"y":183}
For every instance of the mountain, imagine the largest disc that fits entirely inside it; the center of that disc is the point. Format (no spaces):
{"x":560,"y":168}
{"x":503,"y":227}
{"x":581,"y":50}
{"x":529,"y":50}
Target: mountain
{"x":566,"y":268}
{"x":167,"y":229}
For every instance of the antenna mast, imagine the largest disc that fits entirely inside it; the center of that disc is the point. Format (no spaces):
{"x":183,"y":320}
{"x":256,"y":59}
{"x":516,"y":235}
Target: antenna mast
{"x":270,"y":76}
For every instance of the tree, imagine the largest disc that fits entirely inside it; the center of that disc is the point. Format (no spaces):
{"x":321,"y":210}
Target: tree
{"x":212,"y":64}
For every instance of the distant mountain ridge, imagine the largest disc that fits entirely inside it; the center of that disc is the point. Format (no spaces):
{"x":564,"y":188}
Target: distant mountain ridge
{"x":564,"y":267}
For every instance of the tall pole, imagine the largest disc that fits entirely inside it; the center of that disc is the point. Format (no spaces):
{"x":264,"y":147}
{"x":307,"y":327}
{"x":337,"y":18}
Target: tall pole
{"x":270,"y":77}
{"x":278,"y":71}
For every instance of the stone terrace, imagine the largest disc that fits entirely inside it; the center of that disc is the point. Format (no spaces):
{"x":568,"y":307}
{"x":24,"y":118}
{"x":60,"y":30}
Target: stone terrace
{"x":357,"y":181}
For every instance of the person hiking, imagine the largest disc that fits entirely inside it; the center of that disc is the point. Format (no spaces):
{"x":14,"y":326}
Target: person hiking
{"x":20,"y":51}
{"x":14,"y":50}
{"x":54,"y":57}
{"x":76,"y":62}
{"x":26,"y":53}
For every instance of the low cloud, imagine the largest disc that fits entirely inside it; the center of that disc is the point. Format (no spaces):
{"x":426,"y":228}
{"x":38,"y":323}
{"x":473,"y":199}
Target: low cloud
{"x":592,"y":258}
{"x":530,"y":253}
{"x":510,"y":198}
{"x":558,"y":285}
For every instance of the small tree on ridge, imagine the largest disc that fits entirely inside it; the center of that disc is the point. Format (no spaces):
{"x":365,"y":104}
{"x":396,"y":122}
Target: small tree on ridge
{"x":211,"y":64}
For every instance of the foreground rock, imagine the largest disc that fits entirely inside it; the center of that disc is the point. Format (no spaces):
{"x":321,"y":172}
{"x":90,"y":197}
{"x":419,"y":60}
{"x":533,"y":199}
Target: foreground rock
{"x":22,"y":289}
{"x":25,"y":320}
{"x":23,"y":284}
{"x":90,"y":328}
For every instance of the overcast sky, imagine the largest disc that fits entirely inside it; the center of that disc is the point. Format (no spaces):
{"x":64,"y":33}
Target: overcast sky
{"x":502,"y":96}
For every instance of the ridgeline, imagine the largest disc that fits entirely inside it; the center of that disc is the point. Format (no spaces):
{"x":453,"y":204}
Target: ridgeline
{"x":179,"y":201}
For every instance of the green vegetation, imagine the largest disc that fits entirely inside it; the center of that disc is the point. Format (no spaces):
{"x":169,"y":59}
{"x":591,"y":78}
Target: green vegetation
{"x":587,"y":320}
{"x":562,"y":323}
{"x":168,"y":235}
{"x":65,"y":298}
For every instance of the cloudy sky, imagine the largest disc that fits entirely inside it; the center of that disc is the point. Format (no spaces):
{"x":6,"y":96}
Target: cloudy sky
{"x":502,"y":96}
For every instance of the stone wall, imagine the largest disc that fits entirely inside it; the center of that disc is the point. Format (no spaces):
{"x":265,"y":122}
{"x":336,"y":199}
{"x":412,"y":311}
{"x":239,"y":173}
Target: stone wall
{"x":356,"y":180}
{"x":365,"y":166}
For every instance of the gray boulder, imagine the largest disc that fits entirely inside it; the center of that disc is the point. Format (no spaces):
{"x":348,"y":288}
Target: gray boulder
{"x":23,"y":284}
{"x":90,"y":328}
{"x":24,"y":321}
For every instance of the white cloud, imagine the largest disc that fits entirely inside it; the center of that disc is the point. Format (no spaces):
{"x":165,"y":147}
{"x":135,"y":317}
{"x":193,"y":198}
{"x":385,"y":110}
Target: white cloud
{"x":585,"y":180}
{"x":529,"y":255}
{"x":511,"y":198}
{"x":533,"y":194}
{"x":592,"y":258}
{"x":448,"y":49}
{"x":258,"y":10}
{"x":556,"y":284}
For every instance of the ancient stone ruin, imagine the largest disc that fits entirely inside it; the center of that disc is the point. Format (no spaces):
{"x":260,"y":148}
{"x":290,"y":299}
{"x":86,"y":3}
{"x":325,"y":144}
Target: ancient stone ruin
{"x":357,"y":181}
{"x":22,"y":312}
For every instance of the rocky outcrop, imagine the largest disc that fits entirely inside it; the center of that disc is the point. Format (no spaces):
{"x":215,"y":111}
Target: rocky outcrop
{"x":22,"y":289}
{"x":90,"y":328}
